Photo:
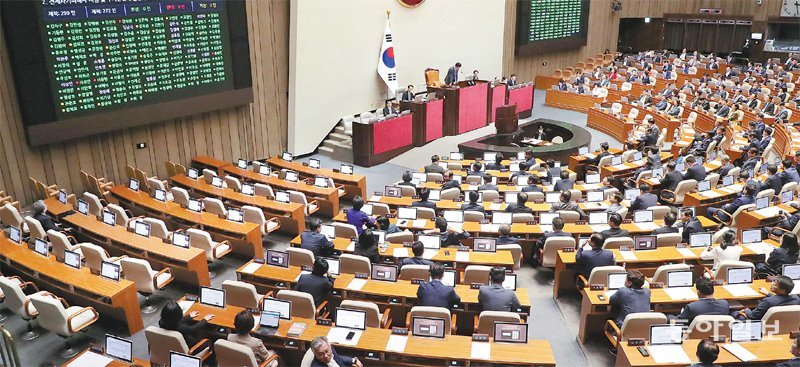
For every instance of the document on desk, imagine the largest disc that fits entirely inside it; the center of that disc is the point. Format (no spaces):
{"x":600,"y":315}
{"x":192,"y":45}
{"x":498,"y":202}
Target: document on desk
{"x":356,"y":284}
{"x":590,"y":156}
{"x":609,"y":293}
{"x":185,"y":305}
{"x":647,"y":226}
{"x":462,"y":256}
{"x":740,"y":352}
{"x":396,"y":343}
{"x":669,"y":353}
{"x":769,"y":212}
{"x":486,"y":228}
{"x":472,"y":187}
{"x":338,"y":335}
{"x":429,"y":254}
{"x":680,"y":293}
{"x":90,"y":359}
{"x":375,"y":198}
{"x":628,"y":255}
{"x":656,"y":180}
{"x":251,"y":268}
{"x":546,"y":227}
{"x":591,"y":186}
{"x":481,"y":350}
{"x":400,"y":252}
{"x":599,"y":227}
{"x":495,"y":206}
{"x":760,"y":248}
{"x":351,"y":247}
{"x":740,"y":290}
{"x":620,"y":166}
{"x":419,"y":223}
{"x":708,"y":194}
{"x":687,"y":252}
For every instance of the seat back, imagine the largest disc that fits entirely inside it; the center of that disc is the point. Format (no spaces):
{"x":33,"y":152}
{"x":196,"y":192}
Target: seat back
{"x":37,"y":231}
{"x":705,"y":326}
{"x":300,"y":257}
{"x":255,"y":215}
{"x":95,"y":206}
{"x":94,"y":255}
{"x":233,"y":183}
{"x":476,"y":274}
{"x":143,"y":180}
{"x":487,"y":319}
{"x":781,"y":319}
{"x":400,"y":237}
{"x":637,"y":325}
{"x":52,"y":315}
{"x":351,"y":264}
{"x":740,"y":210}
{"x":450,"y":194}
{"x":162,"y":341}
{"x":521,"y":217}
{"x":234,"y":354}
{"x":569,"y":216}
{"x":170,"y":167}
{"x":668,"y":239}
{"x":157,"y":228}
{"x":214,"y":206}
{"x":9,"y":216}
{"x":551,"y":247}
{"x":616,"y":242}
{"x":473,"y":216}
{"x":516,"y":253}
{"x":408,"y":272}
{"x":264,"y":190}
{"x":120,"y":214}
{"x":425,"y":213}
{"x":407,"y":190}
{"x":722,"y":270}
{"x":344,"y":230}
{"x":599,"y":274}
{"x":202,"y":240}
{"x":434,"y":177}
{"x":155,"y":183}
{"x":15,"y":298}
{"x":490,"y":195}
{"x":660,"y":211}
{"x":139,"y":272}
{"x":683,"y":188}
{"x":241,"y":294}
{"x":60,"y":243}
{"x":180,"y":196}
{"x":660,"y":276}
{"x":436,"y":312}
{"x":302,"y":303}
{"x":208,"y":175}
{"x":372,"y":310}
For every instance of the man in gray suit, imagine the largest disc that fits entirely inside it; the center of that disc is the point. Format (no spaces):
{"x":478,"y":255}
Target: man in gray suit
{"x":645,"y":200}
{"x":452,"y":74}
{"x":705,"y":305}
{"x":434,"y":167}
{"x":564,"y":183}
{"x":494,"y":297}
{"x":631,"y":298}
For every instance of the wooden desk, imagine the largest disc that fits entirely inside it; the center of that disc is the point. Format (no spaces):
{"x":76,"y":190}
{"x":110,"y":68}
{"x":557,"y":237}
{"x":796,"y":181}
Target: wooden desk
{"x":758,"y":218}
{"x":354,"y":185}
{"x":211,"y":163}
{"x":627,"y":169}
{"x":291,"y":216}
{"x":427,"y":119}
{"x":769,"y":351}
{"x":137,"y":362}
{"x":244,"y":237}
{"x":189,"y":265}
{"x":577,"y":161}
{"x":116,"y":300}
{"x":381,"y":140}
{"x":328,"y":197}
{"x":717,"y":197}
{"x":419,"y":351}
{"x":56,"y":209}
{"x":609,"y":124}
{"x":570,"y":101}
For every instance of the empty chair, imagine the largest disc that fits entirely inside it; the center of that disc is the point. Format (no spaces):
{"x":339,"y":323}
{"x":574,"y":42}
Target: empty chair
{"x":235,"y":354}
{"x":95,"y":255}
{"x":380,"y":209}
{"x":474,"y":180}
{"x":344,"y":230}
{"x":547,"y":256}
{"x":255,"y":215}
{"x":233,"y":183}
{"x":407,"y":191}
{"x":636,"y":325}
{"x":242,"y":294}
{"x":300,"y":257}
{"x":9,"y":216}
{"x":659,"y":211}
{"x":706,"y":326}
{"x":660,"y":276}
{"x":476,"y":274}
{"x":160,"y":342}
{"x":781,"y":319}
{"x":36,"y":229}
{"x":516,"y":253}
{"x":400,"y":237}
{"x":569,"y":216}
{"x":487,"y":319}
{"x":300,"y":198}
{"x":722,"y":271}
{"x":433,"y":312}
{"x":490,"y":195}
{"x":351,"y":264}
{"x":57,"y":316}
{"x":264,"y":190}
{"x":434,"y":177}
{"x":374,"y":317}
{"x":214,"y":250}
{"x":155,"y":183}
{"x":668,"y":239}
{"x":521,"y":217}
{"x":158,"y":228}
{"x":426,"y":213}
{"x":409,"y":272}
{"x":208,"y":175}
{"x":147,"y":280}
{"x":215,"y":206}
{"x":303,"y":304}
{"x":61,"y":243}
{"x":122,"y":216}
{"x":599,"y":274}
{"x":18,"y":302}
{"x":180,"y":196}
{"x":617,"y":242}
{"x":95,"y":205}
{"x":473,"y":216}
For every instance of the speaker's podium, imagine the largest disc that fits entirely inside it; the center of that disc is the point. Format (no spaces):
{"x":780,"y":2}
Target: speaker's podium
{"x":465,"y":106}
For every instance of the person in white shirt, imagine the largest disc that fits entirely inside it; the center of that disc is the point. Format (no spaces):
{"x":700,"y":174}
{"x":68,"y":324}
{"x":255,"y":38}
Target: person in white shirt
{"x":726,"y":251}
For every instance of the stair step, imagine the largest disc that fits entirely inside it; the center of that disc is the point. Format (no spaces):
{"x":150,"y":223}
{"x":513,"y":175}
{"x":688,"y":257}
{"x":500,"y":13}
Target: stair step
{"x":324,"y":149}
{"x":338,"y":136}
{"x":339,"y":129}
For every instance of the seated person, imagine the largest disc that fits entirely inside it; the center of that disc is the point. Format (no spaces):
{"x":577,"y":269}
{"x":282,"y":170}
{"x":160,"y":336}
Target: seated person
{"x":434,"y":167}
{"x":672,"y":177}
{"x":530,"y":161}
{"x":243,"y":323}
{"x":780,"y":295}
{"x":494,"y":297}
{"x":475,"y":170}
{"x":726,"y":251}
{"x":616,"y":203}
{"x":523,"y":172}
{"x":449,"y":182}
{"x":383,"y":224}
{"x":748,"y":197}
{"x":497,"y":164}
{"x":358,"y":218}
{"x":795,"y":350}
{"x":631,"y":298}
{"x":504,"y":237}
{"x":564,"y":183}
{"x":786,"y":224}
{"x":40,"y":214}
{"x":644,"y":200}
{"x":789,"y":173}
{"x":707,"y":353}
{"x":318,"y":283}
{"x":417,"y":248}
{"x":326,"y":356}
{"x":424,"y":194}
{"x":614,"y":221}
{"x":694,"y":171}
{"x":406,"y":180}
{"x":726,"y":165}
{"x":587,"y":260}
{"x":552,"y":170}
{"x":448,"y":235}
{"x":751,"y":160}
{"x":705,"y":305}
{"x":434,"y":293}
{"x":488,"y":185}
{"x":786,"y":254}
{"x":690,"y":224}
{"x":773,"y":180}
{"x":558,"y":231}
{"x":311,"y":239}
{"x":566,"y":204}
{"x":669,"y":222}
{"x":603,"y":152}
{"x":519,"y":206}
{"x":367,"y":246}
{"x":533,"y":185}
{"x":473,"y":202}
{"x":172,"y":319}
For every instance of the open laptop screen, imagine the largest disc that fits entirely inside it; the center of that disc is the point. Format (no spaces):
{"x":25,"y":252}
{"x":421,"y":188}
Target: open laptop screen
{"x":119,"y":348}
{"x":666,"y":334}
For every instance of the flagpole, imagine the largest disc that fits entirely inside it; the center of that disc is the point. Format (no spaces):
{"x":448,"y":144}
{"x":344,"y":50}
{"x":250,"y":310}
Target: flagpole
{"x":388,"y":92}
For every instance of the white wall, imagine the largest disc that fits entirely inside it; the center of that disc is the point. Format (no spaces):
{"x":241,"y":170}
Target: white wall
{"x":334,"y":47}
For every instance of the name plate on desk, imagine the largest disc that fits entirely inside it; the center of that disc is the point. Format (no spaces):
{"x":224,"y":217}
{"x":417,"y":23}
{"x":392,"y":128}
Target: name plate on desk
{"x":395,"y":300}
{"x":280,"y":284}
{"x":306,"y":268}
{"x":324,"y":322}
{"x":335,"y":292}
{"x":415,"y":197}
{"x":292,"y":344}
{"x":681,"y":245}
{"x":375,"y":356}
{"x":408,"y":244}
{"x":718,"y":338}
{"x":656,"y":285}
{"x":580,"y":222}
{"x":596,"y":287}
{"x":531,"y":222}
{"x":456,"y":363}
{"x":399,"y":331}
{"x":568,"y":249}
{"x":462,"y":248}
{"x":362,"y":276}
{"x":389,"y":216}
{"x":377,"y":193}
{"x":624,"y":248}
{"x":480,"y":337}
{"x":484,"y":221}
{"x":457,"y":200}
{"x":417,"y":281}
{"x":259,"y":261}
{"x":190,"y":297}
{"x":632,"y":342}
{"x":475,"y":286}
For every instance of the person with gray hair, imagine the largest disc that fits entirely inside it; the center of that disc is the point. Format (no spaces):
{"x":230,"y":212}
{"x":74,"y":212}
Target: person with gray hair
{"x":326,"y":356}
{"x":40,"y":214}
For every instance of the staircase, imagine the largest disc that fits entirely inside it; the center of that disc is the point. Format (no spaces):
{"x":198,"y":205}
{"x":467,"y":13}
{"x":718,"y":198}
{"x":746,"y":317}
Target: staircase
{"x":338,"y":144}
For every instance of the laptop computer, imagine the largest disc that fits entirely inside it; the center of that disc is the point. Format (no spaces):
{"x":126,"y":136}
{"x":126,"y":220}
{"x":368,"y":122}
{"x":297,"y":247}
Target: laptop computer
{"x":268,"y":323}
{"x":680,"y":278}
{"x":279,"y":306}
{"x":119,"y":348}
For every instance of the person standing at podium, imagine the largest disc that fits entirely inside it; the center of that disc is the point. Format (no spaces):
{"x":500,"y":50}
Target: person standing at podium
{"x":408,"y":95}
{"x":452,"y":74}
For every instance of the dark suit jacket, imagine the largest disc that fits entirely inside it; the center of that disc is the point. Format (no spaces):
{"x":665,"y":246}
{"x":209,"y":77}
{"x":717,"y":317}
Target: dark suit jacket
{"x":614,"y":232}
{"x":771,"y":301}
{"x":532,"y":188}
{"x":451,"y":184}
{"x":507,"y":240}
{"x":643,"y":201}
{"x":546,"y":235}
{"x":407,"y":96}
{"x":452,"y":76}
{"x":453,"y":239}
{"x":778,"y":258}
{"x":415,"y":261}
{"x":496,"y":298}
{"x":473,"y":207}
{"x":627,"y":301}
{"x":564,"y":185}
{"x":788,"y":175}
{"x":772,"y":182}
{"x":518,"y":208}
{"x":342,"y":361}
{"x":424,"y":204}
{"x":192,"y":331}
{"x":671,"y":180}
{"x":723,"y":171}
{"x":317,"y":286}
{"x":436,"y":294}
{"x":47,"y":222}
{"x":696,"y":172}
{"x":794,"y":362}
{"x":665,"y":230}
{"x":723,"y":111}
{"x":316,"y":243}
{"x":750,"y":163}
{"x":588,"y":260}
{"x":692,"y":226}
{"x":434,"y":168}
{"x":736,"y":203}
{"x":494,"y":166}
{"x":371,"y":253}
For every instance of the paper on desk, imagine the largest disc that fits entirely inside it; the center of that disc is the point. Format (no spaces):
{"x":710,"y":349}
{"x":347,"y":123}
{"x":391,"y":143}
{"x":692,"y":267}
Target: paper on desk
{"x":351,"y":247}
{"x":90,"y":359}
{"x":628,"y":255}
{"x":680,"y":293}
{"x":400,"y":252}
{"x":429,"y":253}
{"x":356,"y":284}
{"x":185,"y":305}
{"x":708,"y":193}
{"x":760,"y":248}
{"x":472,"y":187}
{"x":609,"y":293}
{"x":495,"y":206}
{"x":546,"y":227}
{"x":396,"y":343}
{"x":740,"y":352}
{"x":251,"y":268}
{"x":455,"y":226}
{"x":338,"y":335}
{"x":620,"y":166}
{"x":489,"y":228}
{"x":481,"y":350}
{"x":740,"y":290}
{"x":462,"y":256}
{"x":419,"y":223}
{"x":375,"y":198}
{"x":599,"y":227}
{"x":590,"y":156}
{"x":656,"y":180}
{"x":671,"y":353}
{"x":591,"y":186}
{"x":687,"y":252}
{"x":647,"y":226}
{"x":772,"y":211}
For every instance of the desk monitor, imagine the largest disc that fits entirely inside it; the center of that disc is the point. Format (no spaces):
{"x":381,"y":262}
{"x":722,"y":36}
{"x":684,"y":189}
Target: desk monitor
{"x":746,"y":331}
{"x":546,"y":219}
{"x":109,"y":218}
{"x":616,"y":160}
{"x":72,"y":259}
{"x":383,"y":272}
{"x":631,"y":194}
{"x":351,"y":319}
{"x":346,"y":169}
{"x":141,"y":228}
{"x":513,"y":167}
{"x":554,"y":180}
{"x":434,"y":195}
{"x":235,"y":215}
{"x":392,"y":191}
{"x":584,"y":242}
{"x":595,"y":196}
{"x":241,"y":163}
{"x":556,"y":164}
{"x":278,"y":258}
{"x":282,"y":307}
{"x":333,"y":265}
{"x":740,"y":275}
{"x":643,"y":216}
{"x":637,"y":156}
{"x":456,"y":156}
{"x":484,"y":244}
{"x":83,"y":207}
{"x":680,"y":278}
{"x":727,"y":180}
{"x":195,"y":205}
{"x":598,"y":218}
{"x":456,"y":216}
{"x":521,"y":155}
{"x":180,"y":239}
{"x":328,"y":230}
{"x":380,"y":236}
{"x":286,"y":156}
{"x":119,"y":348}
{"x":367,"y":209}
{"x":270,"y":319}
{"x":321,"y":182}
{"x":510,"y":332}
{"x":787,"y":196}
{"x":15,"y":234}
{"x":419,"y":177}
{"x":552,"y":197}
{"x":264,"y":170}
{"x":160,"y":195}
{"x":248,"y":189}
{"x":282,"y":197}
{"x":212,"y":296}
{"x":658,"y":172}
{"x":666,"y":334}
{"x":617,"y":280}
{"x":291,"y":176}
{"x":458,"y":179}
{"x":133,"y":184}
{"x":489,"y":156}
{"x":314,"y":163}
{"x":583,"y":150}
{"x":480,"y":197}
{"x":217,"y":182}
{"x":193,"y":173}
{"x":41,"y":247}
{"x":432,"y":242}
{"x":62,"y":197}
{"x":522,"y":180}
{"x":427,"y":326}
{"x":792,"y":271}
{"x":756,"y":36}
{"x":704,"y":185}
{"x":702,"y":239}
{"x":110,"y":270}
{"x":680,"y":167}
{"x":183,"y":360}
{"x":501,"y":218}
{"x":449,"y":278}
{"x":510,"y":282}
{"x":751,"y":236}
{"x":644,"y":243}
{"x":593,"y":178}
{"x":407,"y":213}
{"x":510,"y":197}
{"x":762,"y":202}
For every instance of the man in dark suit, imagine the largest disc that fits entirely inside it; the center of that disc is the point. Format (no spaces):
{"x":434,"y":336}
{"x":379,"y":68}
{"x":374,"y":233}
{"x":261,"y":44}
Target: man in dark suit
{"x":565,"y":203}
{"x":504,"y":237}
{"x":706,"y":303}
{"x":406,"y":180}
{"x":533,"y":185}
{"x":773,"y":181}
{"x":449,"y":182}
{"x":473,"y":202}
{"x":723,"y":110}
{"x":789,"y":173}
{"x":530,"y":161}
{"x":552,"y":170}
{"x":603,"y":152}
{"x":631,"y":298}
{"x":311,"y":239}
{"x":726,"y":165}
{"x":650,"y":137}
{"x":694,"y":171}
{"x":645,"y":200}
{"x":434,"y":167}
{"x":752,"y":159}
{"x":586,"y":260}
{"x":494,"y":297}
{"x":671,"y":178}
{"x":690,"y":224}
{"x":424,"y":194}
{"x":325,"y":355}
{"x":389,"y":110}
{"x":564,"y":183}
{"x":778,"y":295}
{"x":417,"y":248}
{"x":519,"y":206}
{"x":436,"y":294}
{"x":408,"y":95}
{"x":40,"y":214}
{"x":452,"y":74}
{"x":748,"y":197}
{"x":645,"y":100}
{"x":448,"y":235}
{"x":764,"y":142}
{"x":318,"y":283}
{"x":795,"y":350}
{"x":558,"y":231}
{"x":614,"y":220}
{"x":669,"y":221}
{"x":496,"y":165}
{"x":475,"y":170}
{"x":512,"y":81}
